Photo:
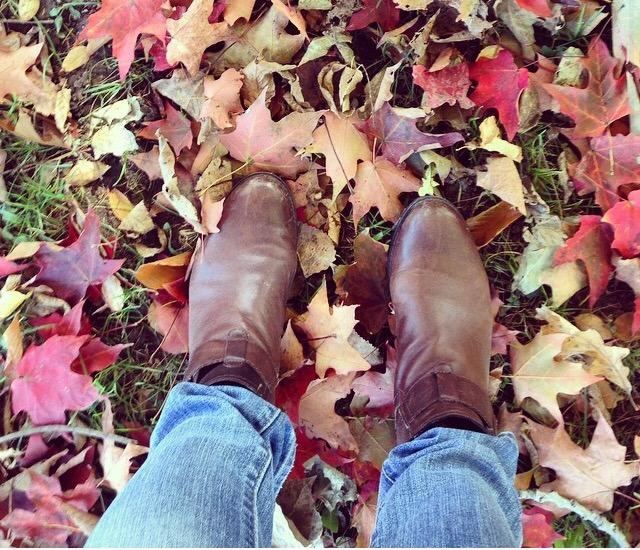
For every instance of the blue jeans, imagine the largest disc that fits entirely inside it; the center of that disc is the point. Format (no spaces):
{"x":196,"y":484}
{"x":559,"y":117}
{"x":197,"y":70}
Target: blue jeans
{"x":219,"y":455}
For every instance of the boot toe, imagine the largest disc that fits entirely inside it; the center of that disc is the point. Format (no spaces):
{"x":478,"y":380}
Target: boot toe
{"x":264,"y":194}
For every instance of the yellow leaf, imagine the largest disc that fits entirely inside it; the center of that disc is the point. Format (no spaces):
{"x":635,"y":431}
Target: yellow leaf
{"x":27,"y":9}
{"x":86,"y":171}
{"x":120,"y":204}
{"x":491,"y":141}
{"x":502,"y":179}
{"x":10,"y":300}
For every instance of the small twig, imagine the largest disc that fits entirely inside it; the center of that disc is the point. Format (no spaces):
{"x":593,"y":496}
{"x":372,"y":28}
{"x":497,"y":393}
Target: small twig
{"x":595,"y":518}
{"x":62,"y":428}
{"x":30,"y":22}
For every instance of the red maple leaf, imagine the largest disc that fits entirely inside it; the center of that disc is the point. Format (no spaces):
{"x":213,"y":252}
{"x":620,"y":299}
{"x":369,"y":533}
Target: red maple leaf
{"x":398,"y":135}
{"x":94,"y":355}
{"x":449,"y":85}
{"x":175,"y":127}
{"x":46,"y":386}
{"x":610,"y":163}
{"x":537,"y":529}
{"x":124,"y":21}
{"x":72,"y":270}
{"x":500,"y":84}
{"x":624,"y":217}
{"x":602,"y":102}
{"x":592,"y":246}
{"x":539,"y":7}
{"x":384,"y":12}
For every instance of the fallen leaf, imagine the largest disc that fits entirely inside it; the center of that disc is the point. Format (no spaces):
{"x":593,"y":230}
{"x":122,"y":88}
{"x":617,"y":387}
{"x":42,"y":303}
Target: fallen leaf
{"x":45,"y":386}
{"x":628,"y":271}
{"x":610,"y":162}
{"x":502,"y":179}
{"x":538,"y":372}
{"x":377,"y":387}
{"x":186,"y":91}
{"x":15,"y":80}
{"x":398,"y":135}
{"x":291,"y":353}
{"x":171,"y":190}
{"x":175,"y":127}
{"x":537,"y":528}
{"x":192,"y":34}
{"x":124,"y":22}
{"x":317,"y":412}
{"x":267,"y":38}
{"x":624,"y":217}
{"x":379,"y":184}
{"x":500,"y":84}
{"x":328,"y":331}
{"x":488,"y":224}
{"x":602,"y":102}
{"x":375,"y":438}
{"x":589,"y":475}
{"x":365,"y":282}
{"x":342,"y":146}
{"x":86,"y":171}
{"x":448,"y":85}
{"x":316,"y":250}
{"x":272,"y":146}
{"x":71,"y":270}
{"x":591,"y":245}
{"x":589,"y":348}
{"x":383,"y":12}
{"x":27,"y":9}
{"x":155,"y":275}
{"x":490,"y":140}
{"x":222,"y":98}
{"x":172,"y":321}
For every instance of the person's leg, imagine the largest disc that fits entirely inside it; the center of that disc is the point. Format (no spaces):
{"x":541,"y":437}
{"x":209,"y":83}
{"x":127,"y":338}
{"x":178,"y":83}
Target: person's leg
{"x":219,"y":455}
{"x":450,"y":488}
{"x":221,"y":449}
{"x":450,"y":480}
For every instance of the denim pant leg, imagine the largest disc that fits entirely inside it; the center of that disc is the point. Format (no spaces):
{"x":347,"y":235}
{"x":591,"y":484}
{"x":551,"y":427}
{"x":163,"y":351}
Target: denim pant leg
{"x":218,"y":458}
{"x":450,"y":488}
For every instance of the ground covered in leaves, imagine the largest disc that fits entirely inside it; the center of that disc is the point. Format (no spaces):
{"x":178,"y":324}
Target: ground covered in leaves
{"x":122,"y":127}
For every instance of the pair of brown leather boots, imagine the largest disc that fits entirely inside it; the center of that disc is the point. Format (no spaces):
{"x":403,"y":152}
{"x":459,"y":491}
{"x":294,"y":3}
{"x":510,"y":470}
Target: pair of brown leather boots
{"x":439,"y":290}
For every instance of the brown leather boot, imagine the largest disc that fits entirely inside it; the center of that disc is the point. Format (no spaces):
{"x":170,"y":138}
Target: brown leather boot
{"x":440,"y":294}
{"x":239,"y":286}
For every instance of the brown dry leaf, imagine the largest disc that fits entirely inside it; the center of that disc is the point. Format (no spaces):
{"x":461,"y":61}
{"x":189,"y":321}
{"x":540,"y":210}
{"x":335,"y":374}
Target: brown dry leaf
{"x":586,"y":321}
{"x":156,"y":274}
{"x":328,"y":330}
{"x":599,"y":359}
{"x":12,"y":337}
{"x":379,"y":183}
{"x":211,"y":212}
{"x":342,"y":146}
{"x":171,"y":190}
{"x":365,"y":282}
{"x":138,"y":220}
{"x":291,"y":353}
{"x":502,"y":179}
{"x":317,"y":412}
{"x":538,"y":373}
{"x":487,"y":225}
{"x":265,"y":39}
{"x":15,"y":80}
{"x":222,"y":98}
{"x":238,"y":9}
{"x":119,"y":203}
{"x":316,"y":250}
{"x":375,"y":438}
{"x":588,"y":475}
{"x":116,"y":462}
{"x":192,"y":34}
